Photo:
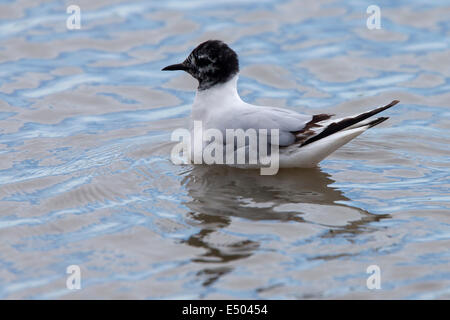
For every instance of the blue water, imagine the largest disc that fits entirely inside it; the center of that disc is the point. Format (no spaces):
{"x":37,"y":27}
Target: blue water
{"x":86,"y":177}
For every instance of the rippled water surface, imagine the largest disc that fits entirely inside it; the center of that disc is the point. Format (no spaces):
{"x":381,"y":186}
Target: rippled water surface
{"x":86,"y":179}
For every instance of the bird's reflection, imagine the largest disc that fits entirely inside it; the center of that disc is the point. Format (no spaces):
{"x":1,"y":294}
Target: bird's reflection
{"x":219,"y":194}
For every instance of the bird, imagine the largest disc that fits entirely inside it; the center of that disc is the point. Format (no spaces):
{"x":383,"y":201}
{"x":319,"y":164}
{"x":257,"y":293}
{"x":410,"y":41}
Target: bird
{"x":303,"y":140}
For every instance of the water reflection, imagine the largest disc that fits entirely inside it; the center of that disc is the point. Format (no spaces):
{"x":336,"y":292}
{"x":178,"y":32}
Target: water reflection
{"x":219,"y":194}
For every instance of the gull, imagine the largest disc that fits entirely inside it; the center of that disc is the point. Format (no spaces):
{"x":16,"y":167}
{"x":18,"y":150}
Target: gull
{"x":303,"y":140}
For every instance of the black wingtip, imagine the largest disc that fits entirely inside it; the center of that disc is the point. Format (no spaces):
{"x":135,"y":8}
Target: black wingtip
{"x":393,"y":103}
{"x":347,"y":122}
{"x":378,"y":110}
{"x":377,"y":121}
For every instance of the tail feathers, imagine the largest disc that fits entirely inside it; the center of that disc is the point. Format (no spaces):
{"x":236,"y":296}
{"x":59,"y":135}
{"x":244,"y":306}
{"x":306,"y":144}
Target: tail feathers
{"x":351,"y":122}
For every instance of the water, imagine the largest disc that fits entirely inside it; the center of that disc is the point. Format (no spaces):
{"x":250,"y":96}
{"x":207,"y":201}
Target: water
{"x":86,"y":179}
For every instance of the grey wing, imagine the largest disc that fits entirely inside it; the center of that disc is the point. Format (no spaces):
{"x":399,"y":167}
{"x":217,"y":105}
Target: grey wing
{"x":288,"y":122}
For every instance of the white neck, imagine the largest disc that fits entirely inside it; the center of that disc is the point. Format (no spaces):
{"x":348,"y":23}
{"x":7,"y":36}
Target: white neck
{"x":218,"y":96}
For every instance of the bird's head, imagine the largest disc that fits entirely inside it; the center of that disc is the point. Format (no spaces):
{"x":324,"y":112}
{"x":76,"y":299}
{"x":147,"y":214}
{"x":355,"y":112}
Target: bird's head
{"x":212,"y":62}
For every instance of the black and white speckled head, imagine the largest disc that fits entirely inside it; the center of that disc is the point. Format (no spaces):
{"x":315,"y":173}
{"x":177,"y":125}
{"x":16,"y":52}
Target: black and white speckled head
{"x":212,"y":62}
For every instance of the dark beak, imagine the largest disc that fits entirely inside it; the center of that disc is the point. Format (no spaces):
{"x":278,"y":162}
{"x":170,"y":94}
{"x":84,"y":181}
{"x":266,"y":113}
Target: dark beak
{"x":178,"y":66}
